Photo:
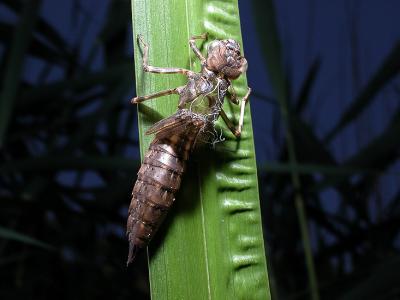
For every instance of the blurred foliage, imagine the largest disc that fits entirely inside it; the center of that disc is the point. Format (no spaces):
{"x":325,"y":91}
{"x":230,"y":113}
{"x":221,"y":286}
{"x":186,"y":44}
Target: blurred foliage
{"x":353,"y":243}
{"x":68,"y":158}
{"x":67,"y":161}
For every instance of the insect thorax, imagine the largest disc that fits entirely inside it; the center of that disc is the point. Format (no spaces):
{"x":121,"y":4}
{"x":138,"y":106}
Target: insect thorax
{"x":204,"y":94}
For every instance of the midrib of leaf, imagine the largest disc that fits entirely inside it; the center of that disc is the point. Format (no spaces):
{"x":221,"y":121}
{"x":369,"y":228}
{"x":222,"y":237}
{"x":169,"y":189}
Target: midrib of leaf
{"x":210,"y":246}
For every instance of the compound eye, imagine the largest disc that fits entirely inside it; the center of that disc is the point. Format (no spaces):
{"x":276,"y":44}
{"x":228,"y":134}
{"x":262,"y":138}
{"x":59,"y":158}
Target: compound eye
{"x":230,"y":60}
{"x":213,"y":46}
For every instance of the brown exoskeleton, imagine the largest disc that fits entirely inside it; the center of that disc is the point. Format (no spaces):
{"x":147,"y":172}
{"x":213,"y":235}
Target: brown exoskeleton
{"x":160,"y":175}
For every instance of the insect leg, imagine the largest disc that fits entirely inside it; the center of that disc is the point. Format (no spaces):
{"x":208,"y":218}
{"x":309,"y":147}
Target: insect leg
{"x":242,"y":106}
{"x":156,"y":95}
{"x":233,"y":96}
{"x":158,"y":70}
{"x":237,"y":131}
{"x":196,"y":50}
{"x":229,"y":123}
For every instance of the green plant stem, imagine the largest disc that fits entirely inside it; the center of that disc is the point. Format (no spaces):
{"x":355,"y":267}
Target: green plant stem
{"x":299,"y":203}
{"x":20,"y":42}
{"x":265,"y":18}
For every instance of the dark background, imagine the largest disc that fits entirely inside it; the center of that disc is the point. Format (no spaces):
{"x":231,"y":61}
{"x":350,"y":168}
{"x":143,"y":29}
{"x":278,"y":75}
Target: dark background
{"x":69,"y":147}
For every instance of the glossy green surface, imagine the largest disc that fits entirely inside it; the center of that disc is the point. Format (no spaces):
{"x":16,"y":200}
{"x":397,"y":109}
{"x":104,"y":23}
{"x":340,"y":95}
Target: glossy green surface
{"x":211,"y":244}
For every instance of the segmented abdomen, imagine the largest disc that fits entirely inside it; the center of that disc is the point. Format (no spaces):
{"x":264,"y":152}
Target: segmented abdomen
{"x":159,"y":178}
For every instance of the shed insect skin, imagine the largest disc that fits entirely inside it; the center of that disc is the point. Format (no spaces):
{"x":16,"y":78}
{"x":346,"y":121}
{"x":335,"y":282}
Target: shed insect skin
{"x":160,"y":174}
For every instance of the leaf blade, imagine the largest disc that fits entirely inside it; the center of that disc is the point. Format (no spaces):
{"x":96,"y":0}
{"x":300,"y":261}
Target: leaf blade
{"x":7,"y":233}
{"x":201,"y":253}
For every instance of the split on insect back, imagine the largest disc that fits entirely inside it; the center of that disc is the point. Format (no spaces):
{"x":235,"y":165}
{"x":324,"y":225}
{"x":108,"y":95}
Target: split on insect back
{"x":200,"y":105}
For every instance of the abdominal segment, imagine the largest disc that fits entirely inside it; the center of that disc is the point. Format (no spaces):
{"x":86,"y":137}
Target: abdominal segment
{"x":159,"y":177}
